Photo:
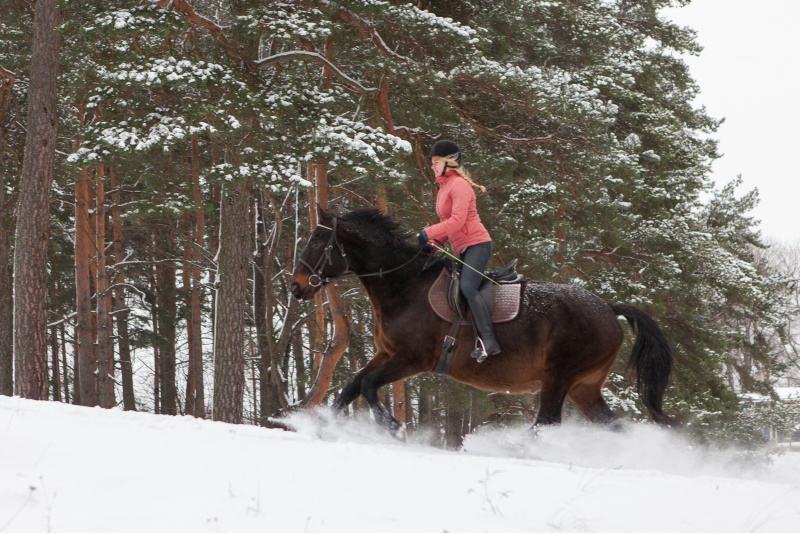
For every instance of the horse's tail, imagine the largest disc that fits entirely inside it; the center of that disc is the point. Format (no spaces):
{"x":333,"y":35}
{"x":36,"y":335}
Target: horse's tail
{"x":651,"y":357}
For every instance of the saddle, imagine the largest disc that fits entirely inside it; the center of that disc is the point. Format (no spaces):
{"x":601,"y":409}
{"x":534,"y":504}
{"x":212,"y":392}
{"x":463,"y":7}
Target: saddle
{"x":501,"y":293}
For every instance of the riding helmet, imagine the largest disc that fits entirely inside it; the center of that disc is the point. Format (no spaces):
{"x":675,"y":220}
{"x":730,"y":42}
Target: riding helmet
{"x":446,"y":149}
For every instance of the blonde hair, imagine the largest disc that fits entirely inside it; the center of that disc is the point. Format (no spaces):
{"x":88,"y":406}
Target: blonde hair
{"x":452,"y":163}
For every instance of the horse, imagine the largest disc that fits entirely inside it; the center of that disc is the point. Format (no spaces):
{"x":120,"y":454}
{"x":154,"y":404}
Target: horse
{"x":562,"y":343}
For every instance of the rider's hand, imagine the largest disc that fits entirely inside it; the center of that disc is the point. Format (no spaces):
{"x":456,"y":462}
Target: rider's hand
{"x":422,"y":238}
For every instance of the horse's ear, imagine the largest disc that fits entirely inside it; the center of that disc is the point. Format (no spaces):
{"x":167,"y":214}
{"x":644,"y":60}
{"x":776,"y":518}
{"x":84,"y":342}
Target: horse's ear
{"x":323,"y":216}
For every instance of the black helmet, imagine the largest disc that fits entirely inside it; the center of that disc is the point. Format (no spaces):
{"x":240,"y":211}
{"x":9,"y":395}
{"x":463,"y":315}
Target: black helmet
{"x":446,"y":149}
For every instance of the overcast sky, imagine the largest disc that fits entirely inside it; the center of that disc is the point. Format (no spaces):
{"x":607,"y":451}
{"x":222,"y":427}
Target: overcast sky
{"x":749,"y":74}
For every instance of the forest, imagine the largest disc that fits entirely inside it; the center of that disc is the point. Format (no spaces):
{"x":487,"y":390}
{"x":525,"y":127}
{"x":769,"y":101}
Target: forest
{"x":161,"y":163}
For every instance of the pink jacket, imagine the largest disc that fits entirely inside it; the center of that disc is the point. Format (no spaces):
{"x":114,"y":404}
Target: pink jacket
{"x":456,"y":207}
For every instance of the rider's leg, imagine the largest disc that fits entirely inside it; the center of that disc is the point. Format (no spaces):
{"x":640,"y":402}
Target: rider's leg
{"x":477,"y":257}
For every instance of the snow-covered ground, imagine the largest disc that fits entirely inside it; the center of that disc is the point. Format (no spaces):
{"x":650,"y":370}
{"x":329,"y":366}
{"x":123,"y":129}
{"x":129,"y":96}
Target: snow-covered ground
{"x":68,"y":469}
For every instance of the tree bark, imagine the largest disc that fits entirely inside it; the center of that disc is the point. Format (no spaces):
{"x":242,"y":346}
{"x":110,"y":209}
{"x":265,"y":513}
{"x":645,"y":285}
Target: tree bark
{"x":166,"y":289}
{"x":6,"y":302}
{"x":262,"y":287}
{"x":84,"y":387}
{"x":272,"y":345}
{"x":54,"y":353}
{"x":32,"y":234}
{"x":104,"y":345}
{"x":120,"y":306}
{"x":195,"y":391}
{"x":234,"y":266}
{"x":62,"y":335}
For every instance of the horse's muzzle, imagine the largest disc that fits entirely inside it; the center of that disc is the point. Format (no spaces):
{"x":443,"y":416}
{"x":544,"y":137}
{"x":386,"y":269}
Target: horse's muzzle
{"x":302,"y":289}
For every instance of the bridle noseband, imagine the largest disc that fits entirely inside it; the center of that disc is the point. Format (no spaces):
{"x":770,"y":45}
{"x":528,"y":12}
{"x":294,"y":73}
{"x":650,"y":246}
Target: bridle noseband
{"x":325,"y":258}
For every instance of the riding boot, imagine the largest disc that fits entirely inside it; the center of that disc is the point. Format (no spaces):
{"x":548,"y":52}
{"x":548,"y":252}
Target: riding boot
{"x":487,"y":345}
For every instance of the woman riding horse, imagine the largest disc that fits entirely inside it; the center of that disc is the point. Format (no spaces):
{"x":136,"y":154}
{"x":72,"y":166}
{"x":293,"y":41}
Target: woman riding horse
{"x":562,"y":343}
{"x":460,"y":224}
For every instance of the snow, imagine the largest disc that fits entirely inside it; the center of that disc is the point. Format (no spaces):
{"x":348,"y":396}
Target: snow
{"x":66,"y":468}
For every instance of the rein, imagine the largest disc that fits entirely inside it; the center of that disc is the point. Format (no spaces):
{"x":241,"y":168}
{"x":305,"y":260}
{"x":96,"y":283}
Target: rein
{"x":325,"y":260}
{"x":465,"y":264}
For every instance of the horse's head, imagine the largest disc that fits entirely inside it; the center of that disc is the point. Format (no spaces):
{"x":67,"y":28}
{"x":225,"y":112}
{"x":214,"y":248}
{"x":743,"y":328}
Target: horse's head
{"x":322,"y":260}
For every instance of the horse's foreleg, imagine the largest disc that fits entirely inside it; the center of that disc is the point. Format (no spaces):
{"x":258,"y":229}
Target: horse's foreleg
{"x":350,"y":392}
{"x":393,"y":370}
{"x":353,"y":388}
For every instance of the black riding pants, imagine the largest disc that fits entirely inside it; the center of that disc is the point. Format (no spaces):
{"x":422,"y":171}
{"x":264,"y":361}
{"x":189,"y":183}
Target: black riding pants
{"x":477,"y":257}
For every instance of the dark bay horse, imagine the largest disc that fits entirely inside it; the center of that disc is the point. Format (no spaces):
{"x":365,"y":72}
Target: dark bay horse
{"x":562,"y":344}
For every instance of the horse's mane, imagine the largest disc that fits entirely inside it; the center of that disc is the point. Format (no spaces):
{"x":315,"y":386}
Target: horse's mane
{"x":378,"y":228}
{"x":373,"y":220}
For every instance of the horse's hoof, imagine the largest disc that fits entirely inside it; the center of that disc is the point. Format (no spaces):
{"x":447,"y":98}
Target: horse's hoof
{"x":399,"y":434}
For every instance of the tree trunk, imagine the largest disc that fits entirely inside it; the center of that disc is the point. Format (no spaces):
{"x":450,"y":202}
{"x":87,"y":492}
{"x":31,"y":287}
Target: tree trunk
{"x":166,"y":289}
{"x":6,"y":302}
{"x":54,"y":353}
{"x":234,"y":265}
{"x":32,"y":234}
{"x":262,"y":286}
{"x":104,"y":346}
{"x":85,"y":363}
{"x":62,"y":335}
{"x":153,"y":286}
{"x":120,"y":307}
{"x":195,"y":391}
{"x":299,"y":355}
{"x":272,"y":346}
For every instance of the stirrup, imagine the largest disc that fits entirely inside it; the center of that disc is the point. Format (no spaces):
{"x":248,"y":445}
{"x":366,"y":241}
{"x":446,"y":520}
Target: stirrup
{"x":480,"y":351}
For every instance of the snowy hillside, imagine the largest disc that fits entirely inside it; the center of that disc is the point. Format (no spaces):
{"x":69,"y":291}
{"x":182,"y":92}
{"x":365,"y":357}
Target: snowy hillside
{"x":67,"y":468}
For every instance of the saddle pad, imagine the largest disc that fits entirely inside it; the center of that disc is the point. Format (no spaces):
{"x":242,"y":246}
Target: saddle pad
{"x":506,"y":300}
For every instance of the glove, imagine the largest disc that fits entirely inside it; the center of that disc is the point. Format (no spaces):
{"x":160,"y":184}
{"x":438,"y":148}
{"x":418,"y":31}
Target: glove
{"x":422,"y":238}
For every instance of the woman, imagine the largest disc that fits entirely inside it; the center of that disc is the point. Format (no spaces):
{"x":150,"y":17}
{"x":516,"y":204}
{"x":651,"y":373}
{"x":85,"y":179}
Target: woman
{"x":460,"y":224}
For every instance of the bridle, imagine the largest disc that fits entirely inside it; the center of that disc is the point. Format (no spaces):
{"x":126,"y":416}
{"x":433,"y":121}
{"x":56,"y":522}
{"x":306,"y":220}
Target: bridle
{"x":325,"y":259}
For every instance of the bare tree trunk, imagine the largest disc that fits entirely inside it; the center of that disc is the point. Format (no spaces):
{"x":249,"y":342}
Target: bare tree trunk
{"x":85,"y":362}
{"x":56,"y":383}
{"x":32,"y":234}
{"x":6,"y":302}
{"x":120,"y":307}
{"x":104,"y":346}
{"x":234,"y":266}
{"x":151,"y":254}
{"x":166,"y":273}
{"x":262,"y":286}
{"x":62,"y":336}
{"x":273,"y":346}
{"x":299,"y":364}
{"x":195,"y":391}
{"x":186,"y":280}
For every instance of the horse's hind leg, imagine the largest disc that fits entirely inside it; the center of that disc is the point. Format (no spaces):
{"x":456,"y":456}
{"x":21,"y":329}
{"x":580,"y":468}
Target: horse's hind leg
{"x":588,"y":398}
